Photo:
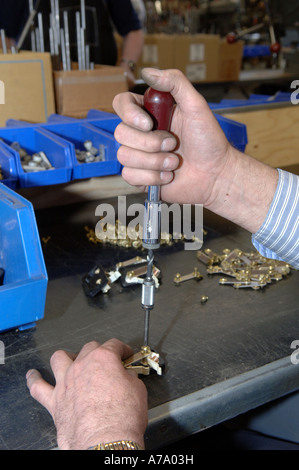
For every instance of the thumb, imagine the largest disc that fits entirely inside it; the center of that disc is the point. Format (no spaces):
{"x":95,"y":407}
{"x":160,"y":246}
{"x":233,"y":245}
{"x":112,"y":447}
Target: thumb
{"x":176,"y":83}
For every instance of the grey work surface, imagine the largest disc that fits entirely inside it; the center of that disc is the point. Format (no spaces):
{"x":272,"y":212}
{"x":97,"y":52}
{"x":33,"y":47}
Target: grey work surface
{"x":222,"y":358}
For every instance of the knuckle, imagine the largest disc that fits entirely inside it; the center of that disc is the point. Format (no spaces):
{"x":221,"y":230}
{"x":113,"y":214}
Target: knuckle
{"x":56,"y":356}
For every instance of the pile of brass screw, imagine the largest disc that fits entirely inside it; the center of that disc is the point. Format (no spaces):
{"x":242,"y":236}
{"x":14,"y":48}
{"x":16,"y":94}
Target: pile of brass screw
{"x":243,"y":269}
{"x":119,"y":234}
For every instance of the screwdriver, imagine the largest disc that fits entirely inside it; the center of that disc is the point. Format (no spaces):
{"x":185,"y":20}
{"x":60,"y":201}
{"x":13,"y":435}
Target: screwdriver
{"x":160,"y":106}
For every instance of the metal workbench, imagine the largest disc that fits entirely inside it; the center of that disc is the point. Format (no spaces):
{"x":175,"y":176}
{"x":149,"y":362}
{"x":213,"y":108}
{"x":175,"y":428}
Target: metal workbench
{"x":222,"y":358}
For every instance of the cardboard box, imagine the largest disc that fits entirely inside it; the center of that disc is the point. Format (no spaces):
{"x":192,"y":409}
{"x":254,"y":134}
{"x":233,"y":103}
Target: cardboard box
{"x":158,"y":51}
{"x":197,"y":56}
{"x":27,"y":84}
{"x":230,"y":60}
{"x":78,"y":91}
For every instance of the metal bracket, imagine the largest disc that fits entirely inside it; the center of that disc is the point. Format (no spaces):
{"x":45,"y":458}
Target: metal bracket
{"x":194,"y":275}
{"x":143,"y":361}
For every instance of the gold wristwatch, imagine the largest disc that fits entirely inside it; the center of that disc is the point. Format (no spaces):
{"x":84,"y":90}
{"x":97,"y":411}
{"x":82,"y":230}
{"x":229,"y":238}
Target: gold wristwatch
{"x":131,"y":64}
{"x":117,"y":445}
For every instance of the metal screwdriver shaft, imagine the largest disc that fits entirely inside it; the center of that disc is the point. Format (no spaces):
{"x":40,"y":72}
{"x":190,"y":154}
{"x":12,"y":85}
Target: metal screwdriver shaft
{"x":147,"y":309}
{"x":160,"y":106}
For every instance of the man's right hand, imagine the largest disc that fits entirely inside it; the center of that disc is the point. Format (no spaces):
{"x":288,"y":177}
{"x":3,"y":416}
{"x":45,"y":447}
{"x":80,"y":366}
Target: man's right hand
{"x":188,"y":160}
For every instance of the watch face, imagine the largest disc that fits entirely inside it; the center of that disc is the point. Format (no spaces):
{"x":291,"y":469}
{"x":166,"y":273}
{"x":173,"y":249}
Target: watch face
{"x":132,"y":65}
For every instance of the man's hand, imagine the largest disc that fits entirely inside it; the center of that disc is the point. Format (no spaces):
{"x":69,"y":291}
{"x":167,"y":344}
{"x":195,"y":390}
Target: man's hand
{"x":95,"y":399}
{"x":194,"y":163}
{"x":195,"y":151}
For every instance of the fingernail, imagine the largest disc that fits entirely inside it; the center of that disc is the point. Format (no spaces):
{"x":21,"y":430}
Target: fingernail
{"x":169,"y":163}
{"x":168,"y":144}
{"x":148,"y":72}
{"x":29,"y":372}
{"x":166,"y":176}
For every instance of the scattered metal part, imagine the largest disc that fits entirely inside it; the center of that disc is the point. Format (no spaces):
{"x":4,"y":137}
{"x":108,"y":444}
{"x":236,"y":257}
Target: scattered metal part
{"x":178,"y":279}
{"x":130,"y":262}
{"x":136,"y":276}
{"x":250,"y":270}
{"x":204,"y":299}
{"x":99,"y":280}
{"x":239,"y":284}
{"x":91,"y":153}
{"x":143,"y":361}
{"x":95,"y":281}
{"x":46,"y":240}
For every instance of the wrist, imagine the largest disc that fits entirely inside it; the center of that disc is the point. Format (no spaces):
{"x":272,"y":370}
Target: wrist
{"x":244,"y":190}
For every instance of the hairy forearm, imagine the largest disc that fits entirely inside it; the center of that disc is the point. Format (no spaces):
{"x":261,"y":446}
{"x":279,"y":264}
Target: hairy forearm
{"x":244,"y":191}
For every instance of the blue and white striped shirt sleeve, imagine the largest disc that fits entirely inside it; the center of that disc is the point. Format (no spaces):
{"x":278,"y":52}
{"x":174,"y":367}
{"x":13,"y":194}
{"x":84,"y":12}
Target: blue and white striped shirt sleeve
{"x":278,"y":237}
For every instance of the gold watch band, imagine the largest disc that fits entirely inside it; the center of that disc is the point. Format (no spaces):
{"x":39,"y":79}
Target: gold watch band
{"x":118,"y":445}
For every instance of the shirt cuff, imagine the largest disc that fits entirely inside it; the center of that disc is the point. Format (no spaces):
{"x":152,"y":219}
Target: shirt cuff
{"x":278,"y":237}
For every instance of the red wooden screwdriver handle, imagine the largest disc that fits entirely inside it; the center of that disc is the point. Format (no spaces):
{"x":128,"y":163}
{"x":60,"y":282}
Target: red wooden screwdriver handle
{"x":160,"y":105}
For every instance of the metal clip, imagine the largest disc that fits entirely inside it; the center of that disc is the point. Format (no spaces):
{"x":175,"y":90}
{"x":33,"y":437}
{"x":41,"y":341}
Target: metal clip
{"x":255,"y":285}
{"x":143,"y":361}
{"x":135,"y":276}
{"x":178,"y":278}
{"x":130,"y":262}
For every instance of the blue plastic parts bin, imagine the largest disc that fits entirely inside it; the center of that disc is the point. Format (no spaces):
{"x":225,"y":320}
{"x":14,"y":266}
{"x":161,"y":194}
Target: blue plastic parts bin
{"x":236,"y":132}
{"x":253,"y":100}
{"x":59,"y":118}
{"x":23,"y":294}
{"x":34,"y":139}
{"x":97,"y":114}
{"x":8,"y":167}
{"x":256,"y":50}
{"x":76,"y":133}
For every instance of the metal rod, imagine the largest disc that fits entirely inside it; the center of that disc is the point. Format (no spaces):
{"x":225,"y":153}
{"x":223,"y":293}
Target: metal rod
{"x":32,"y":33}
{"x":53,"y":28}
{"x":51,"y":37}
{"x":79,"y":47}
{"x":83,"y":48}
{"x":37,"y":39}
{"x":41,"y":32}
{"x":57,"y":20}
{"x":63,"y":53}
{"x":26,"y":29}
{"x":87,"y":57}
{"x":67,"y":40}
{"x":83,"y":14}
{"x":3,"y":40}
{"x":53,"y":24}
{"x":146,"y":326}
